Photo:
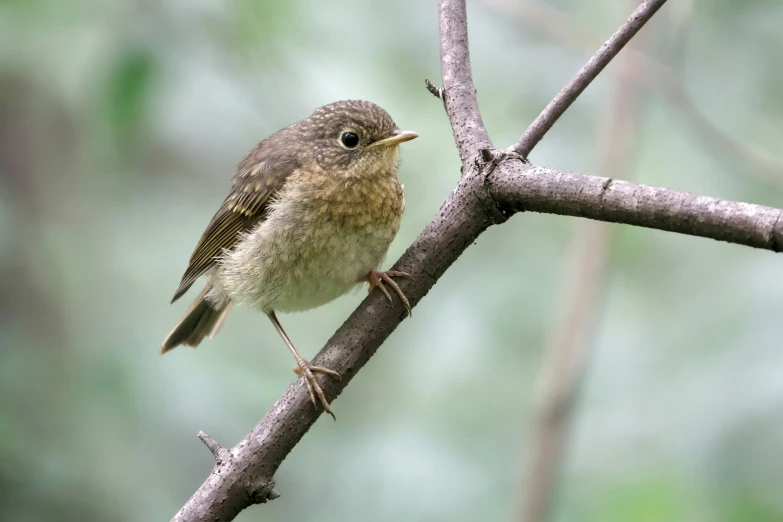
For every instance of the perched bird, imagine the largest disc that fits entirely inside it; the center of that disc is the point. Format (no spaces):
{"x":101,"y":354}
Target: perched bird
{"x":311,"y":214}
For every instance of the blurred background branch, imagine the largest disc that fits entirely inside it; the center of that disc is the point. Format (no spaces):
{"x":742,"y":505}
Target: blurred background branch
{"x":580,"y":305}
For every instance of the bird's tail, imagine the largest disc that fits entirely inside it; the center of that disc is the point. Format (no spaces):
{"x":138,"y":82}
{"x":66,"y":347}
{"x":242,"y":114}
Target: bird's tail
{"x":202,"y":319}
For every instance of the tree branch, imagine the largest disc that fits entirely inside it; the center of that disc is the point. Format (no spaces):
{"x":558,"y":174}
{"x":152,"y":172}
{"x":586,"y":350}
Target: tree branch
{"x":539,"y":189}
{"x":246,"y":475}
{"x":459,"y":94}
{"x":487,"y":194}
{"x":584,"y":77}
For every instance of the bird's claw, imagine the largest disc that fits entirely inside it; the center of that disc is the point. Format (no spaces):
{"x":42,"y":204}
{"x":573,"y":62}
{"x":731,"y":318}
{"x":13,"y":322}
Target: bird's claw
{"x":308,"y":371}
{"x":378,"y":279}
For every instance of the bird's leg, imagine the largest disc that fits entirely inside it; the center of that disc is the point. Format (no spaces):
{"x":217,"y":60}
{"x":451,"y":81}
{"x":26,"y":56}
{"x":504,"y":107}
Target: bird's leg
{"x":378,"y":279}
{"x":306,"y":369}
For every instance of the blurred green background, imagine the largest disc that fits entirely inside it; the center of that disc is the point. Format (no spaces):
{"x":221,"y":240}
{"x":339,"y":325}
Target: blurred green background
{"x":121,"y":123}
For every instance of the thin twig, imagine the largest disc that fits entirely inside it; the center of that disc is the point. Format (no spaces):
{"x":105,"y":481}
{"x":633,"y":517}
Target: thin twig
{"x":651,"y":74}
{"x":436,"y":91}
{"x":535,"y":132}
{"x":210,"y":443}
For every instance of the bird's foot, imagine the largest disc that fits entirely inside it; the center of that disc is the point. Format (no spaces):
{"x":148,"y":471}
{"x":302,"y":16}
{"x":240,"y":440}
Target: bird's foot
{"x":378,"y":279}
{"x":308,"y":370}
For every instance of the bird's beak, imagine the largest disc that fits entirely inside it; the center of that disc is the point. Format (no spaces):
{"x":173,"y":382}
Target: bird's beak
{"x":396,"y":138}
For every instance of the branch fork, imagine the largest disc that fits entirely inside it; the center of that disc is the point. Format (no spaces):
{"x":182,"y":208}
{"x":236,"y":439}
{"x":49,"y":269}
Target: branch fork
{"x":491,"y":189}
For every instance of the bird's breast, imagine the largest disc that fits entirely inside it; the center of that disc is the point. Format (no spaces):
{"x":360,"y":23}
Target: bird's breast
{"x":356,"y":203}
{"x":321,"y":237}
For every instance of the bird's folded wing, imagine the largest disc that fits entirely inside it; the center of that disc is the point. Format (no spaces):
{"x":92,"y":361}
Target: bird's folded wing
{"x":255,"y":182}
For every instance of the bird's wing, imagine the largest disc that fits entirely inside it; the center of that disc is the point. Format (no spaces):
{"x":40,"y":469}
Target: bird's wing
{"x":254,"y":183}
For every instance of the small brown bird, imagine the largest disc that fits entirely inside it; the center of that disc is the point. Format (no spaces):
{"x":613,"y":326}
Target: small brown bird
{"x":311,"y":214}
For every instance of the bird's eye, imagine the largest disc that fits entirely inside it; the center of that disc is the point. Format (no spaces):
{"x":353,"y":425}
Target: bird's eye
{"x":350,"y":140}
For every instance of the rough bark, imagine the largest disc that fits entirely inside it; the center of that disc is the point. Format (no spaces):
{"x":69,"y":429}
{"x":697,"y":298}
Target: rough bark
{"x":539,"y":189}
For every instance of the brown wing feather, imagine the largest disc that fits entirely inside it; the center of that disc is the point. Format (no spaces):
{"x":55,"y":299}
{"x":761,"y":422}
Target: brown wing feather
{"x":255,"y":182}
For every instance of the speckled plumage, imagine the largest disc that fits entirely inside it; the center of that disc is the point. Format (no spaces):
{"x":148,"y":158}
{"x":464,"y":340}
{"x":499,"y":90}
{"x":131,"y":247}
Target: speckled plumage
{"x":321,"y":236}
{"x":306,"y":220}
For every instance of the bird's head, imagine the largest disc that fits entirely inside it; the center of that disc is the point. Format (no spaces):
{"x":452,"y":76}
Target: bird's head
{"x":354,"y":138}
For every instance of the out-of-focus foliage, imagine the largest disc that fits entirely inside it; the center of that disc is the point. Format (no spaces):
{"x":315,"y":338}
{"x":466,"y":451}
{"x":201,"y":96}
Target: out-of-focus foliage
{"x":120,"y":125}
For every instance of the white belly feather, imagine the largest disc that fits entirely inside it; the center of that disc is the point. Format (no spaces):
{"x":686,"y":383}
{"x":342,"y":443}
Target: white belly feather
{"x":289,"y":263}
